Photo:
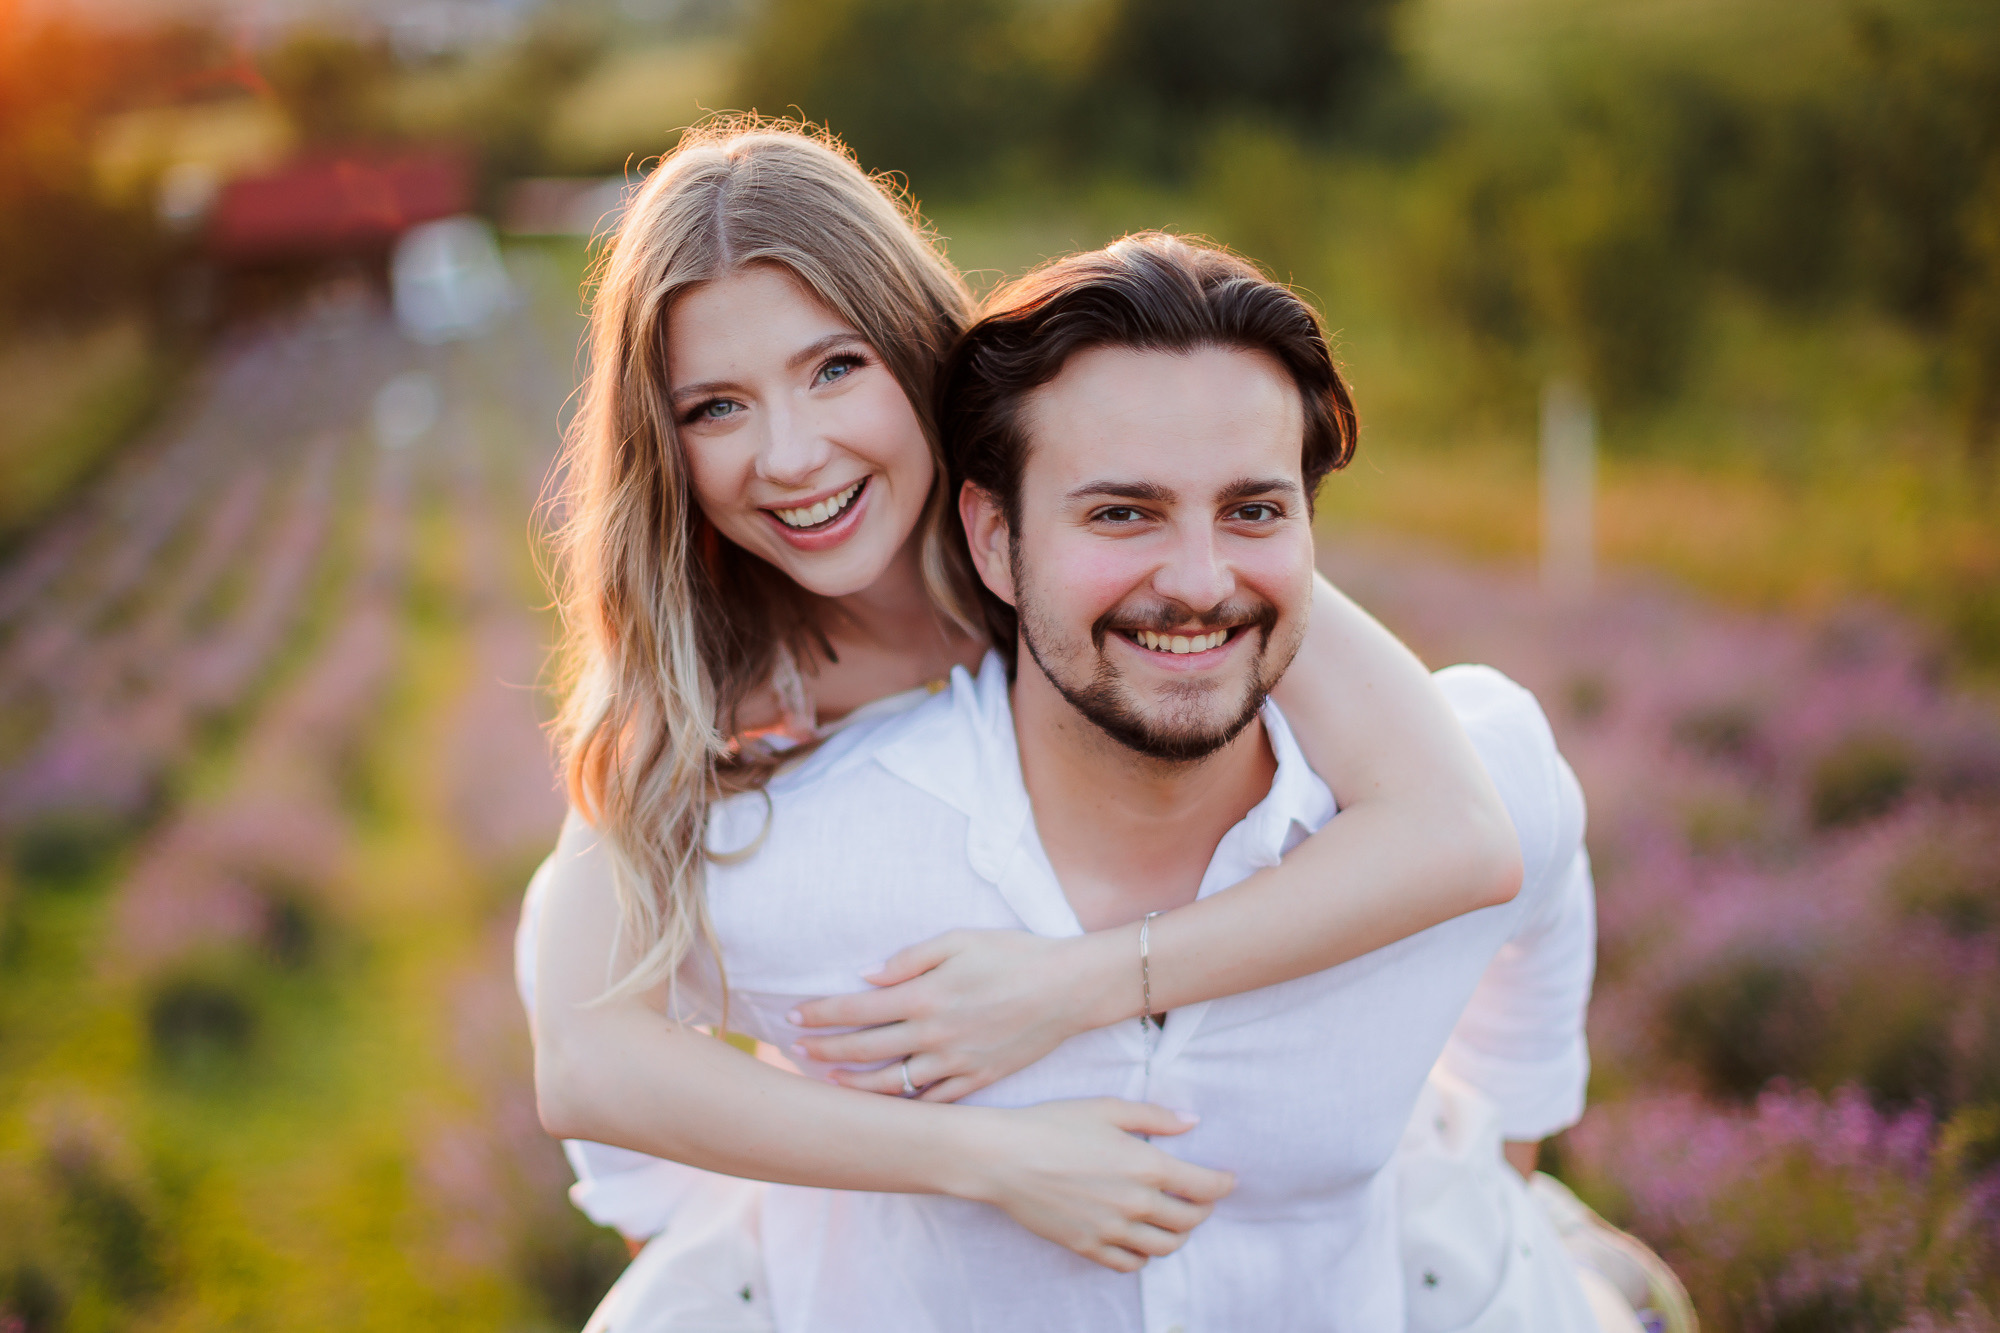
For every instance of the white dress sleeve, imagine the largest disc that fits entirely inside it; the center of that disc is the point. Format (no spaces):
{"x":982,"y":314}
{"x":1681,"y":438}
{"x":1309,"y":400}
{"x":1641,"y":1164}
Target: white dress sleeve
{"x":615,"y":1187}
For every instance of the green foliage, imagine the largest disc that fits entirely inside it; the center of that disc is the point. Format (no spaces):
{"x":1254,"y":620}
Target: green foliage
{"x":110,"y":384}
{"x":1168,"y":70}
{"x":67,"y":850}
{"x":67,"y":255}
{"x":201,"y":1020}
{"x":1586,"y":698}
{"x":1859,"y":779}
{"x":31,"y":1297}
{"x":1037,"y":89}
{"x":1595,"y":236}
{"x":81,"y":1244}
{"x":1300,"y":61}
{"x":1747,"y":1020}
{"x":510,"y":119}
{"x":1724,"y":731}
{"x":569,"y":1265}
{"x":101,"y":1217}
{"x":1953,"y":880}
{"x":1829,"y":1019}
{"x":940,"y":92}
{"x":333,"y":87}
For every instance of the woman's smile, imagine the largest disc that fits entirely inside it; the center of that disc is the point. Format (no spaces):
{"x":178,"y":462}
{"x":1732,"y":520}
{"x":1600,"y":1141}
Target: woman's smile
{"x":813,"y":517}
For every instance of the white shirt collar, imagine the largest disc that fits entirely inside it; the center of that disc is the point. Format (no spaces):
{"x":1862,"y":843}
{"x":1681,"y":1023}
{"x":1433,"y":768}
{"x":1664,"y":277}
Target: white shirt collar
{"x":979,"y":775}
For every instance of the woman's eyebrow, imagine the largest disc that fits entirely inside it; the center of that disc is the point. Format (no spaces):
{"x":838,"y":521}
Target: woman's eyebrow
{"x":813,"y":351}
{"x":699,"y":389}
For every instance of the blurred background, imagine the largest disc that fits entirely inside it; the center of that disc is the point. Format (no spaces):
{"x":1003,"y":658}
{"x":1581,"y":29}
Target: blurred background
{"x":1675,"y":326}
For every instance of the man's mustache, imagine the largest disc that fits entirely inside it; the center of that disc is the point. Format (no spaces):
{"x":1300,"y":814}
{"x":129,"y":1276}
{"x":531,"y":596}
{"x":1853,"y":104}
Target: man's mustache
{"x":1167,"y":617}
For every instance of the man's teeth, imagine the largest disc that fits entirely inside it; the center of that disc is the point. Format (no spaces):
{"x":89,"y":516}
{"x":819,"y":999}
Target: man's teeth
{"x":813,"y":515}
{"x":1181,"y":643}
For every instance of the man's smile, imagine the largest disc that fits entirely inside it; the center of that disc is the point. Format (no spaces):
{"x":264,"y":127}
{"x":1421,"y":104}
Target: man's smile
{"x":1178,"y":644}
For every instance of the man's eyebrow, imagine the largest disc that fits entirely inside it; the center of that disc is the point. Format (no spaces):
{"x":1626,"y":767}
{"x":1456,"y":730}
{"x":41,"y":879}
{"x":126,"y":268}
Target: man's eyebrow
{"x":1242,"y":488}
{"x":1122,"y":490}
{"x":1247,"y":487}
{"x":811,"y":351}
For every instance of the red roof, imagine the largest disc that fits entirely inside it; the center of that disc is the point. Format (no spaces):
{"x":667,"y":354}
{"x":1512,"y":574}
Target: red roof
{"x":337,"y":204}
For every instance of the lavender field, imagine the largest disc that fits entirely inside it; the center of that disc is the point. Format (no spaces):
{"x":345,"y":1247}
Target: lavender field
{"x":271,"y":780}
{"x":1796,"y":1030}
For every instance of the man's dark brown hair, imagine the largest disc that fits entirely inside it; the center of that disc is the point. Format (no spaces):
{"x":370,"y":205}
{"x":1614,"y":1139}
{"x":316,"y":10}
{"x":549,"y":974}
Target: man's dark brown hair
{"x":1150,"y":292}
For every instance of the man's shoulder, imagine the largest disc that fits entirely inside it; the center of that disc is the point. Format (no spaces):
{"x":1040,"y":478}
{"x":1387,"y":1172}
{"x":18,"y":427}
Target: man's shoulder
{"x":1489,"y":700}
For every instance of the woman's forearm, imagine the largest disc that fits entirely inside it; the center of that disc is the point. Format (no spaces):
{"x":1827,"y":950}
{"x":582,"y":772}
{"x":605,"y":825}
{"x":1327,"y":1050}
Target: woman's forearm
{"x":617,"y":1070}
{"x":1422,"y":836}
{"x":627,"y":1076}
{"x":1332,"y":900}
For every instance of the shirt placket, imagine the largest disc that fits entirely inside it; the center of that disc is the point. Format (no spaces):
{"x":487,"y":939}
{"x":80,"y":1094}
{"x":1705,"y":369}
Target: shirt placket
{"x":1163,"y":1282}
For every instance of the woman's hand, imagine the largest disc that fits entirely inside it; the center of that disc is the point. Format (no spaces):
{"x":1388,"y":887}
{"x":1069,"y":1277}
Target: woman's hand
{"x":968,"y":1008}
{"x":1073,"y":1172}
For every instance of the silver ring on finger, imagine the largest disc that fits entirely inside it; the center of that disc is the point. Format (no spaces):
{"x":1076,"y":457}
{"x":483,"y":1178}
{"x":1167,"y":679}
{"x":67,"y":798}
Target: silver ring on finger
{"x":909,"y":1088}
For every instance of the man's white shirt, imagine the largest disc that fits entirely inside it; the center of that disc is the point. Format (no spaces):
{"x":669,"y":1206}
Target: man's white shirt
{"x":902,"y":828}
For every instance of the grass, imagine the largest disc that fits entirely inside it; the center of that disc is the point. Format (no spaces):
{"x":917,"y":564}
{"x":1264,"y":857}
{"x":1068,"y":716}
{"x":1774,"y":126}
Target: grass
{"x":71,"y":399}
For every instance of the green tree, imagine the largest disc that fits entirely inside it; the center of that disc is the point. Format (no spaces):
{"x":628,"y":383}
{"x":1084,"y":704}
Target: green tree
{"x":938,"y":91}
{"x":1305,"y":63}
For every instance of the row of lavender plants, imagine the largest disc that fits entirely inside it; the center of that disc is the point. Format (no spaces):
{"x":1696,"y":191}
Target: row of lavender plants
{"x":157,"y":604}
{"x":1795,"y":828}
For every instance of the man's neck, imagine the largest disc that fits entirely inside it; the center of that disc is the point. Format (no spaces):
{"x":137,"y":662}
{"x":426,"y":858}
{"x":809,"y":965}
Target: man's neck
{"x":1126,"y":834}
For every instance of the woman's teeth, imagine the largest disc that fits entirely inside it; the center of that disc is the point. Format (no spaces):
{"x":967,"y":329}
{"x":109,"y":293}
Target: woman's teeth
{"x":1181,"y":643}
{"x":814,"y":515}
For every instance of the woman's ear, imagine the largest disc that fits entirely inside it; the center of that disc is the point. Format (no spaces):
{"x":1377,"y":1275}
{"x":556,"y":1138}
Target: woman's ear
{"x":989,"y":538}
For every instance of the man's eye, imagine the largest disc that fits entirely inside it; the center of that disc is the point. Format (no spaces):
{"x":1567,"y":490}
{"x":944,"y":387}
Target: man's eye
{"x":838,"y":368}
{"x":1119,"y":514}
{"x":1258,"y":513}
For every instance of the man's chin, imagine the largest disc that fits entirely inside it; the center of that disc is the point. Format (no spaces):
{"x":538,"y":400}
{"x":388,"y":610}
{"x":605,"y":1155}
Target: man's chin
{"x":1179,"y":721}
{"x":1173,"y":732}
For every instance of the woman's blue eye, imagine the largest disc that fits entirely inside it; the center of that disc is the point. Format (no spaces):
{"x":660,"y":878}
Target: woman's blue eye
{"x":715,"y":411}
{"x":837,"y":369}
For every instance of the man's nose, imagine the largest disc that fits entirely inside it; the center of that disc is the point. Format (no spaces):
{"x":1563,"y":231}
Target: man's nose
{"x":1194,"y":572}
{"x":792,"y":451}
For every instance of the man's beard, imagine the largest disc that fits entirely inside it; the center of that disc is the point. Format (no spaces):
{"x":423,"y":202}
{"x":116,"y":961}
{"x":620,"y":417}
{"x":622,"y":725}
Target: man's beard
{"x":1184,"y":734}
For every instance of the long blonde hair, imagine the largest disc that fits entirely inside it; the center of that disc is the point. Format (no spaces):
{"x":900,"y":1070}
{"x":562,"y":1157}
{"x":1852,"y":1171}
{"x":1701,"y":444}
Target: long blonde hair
{"x":668,"y":626}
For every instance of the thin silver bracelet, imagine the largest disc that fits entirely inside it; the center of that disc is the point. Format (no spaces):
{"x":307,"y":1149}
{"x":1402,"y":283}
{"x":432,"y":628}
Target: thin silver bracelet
{"x":1146,"y":972}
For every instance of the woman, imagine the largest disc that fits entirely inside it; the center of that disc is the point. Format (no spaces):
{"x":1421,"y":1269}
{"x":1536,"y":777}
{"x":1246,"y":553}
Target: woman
{"x":756,"y":545}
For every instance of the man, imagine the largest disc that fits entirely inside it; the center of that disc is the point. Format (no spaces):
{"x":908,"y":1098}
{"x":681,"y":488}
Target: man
{"x":1140,"y":435}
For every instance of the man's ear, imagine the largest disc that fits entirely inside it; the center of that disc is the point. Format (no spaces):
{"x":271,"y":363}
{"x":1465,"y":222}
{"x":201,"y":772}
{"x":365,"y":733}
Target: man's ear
{"x":990,"y":539}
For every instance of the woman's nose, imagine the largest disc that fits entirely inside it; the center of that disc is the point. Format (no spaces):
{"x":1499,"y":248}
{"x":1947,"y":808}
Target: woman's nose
{"x":792,"y":452}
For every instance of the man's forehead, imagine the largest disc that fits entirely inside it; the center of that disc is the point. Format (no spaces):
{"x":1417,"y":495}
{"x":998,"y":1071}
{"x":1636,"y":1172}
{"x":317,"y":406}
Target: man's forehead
{"x":1185,"y":421}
